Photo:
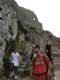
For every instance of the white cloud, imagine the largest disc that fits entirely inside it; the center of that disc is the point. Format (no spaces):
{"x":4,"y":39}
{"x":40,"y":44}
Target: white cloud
{"x":47,"y":11}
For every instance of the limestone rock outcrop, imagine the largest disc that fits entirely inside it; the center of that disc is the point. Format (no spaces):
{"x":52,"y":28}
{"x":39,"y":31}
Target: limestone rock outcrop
{"x":8,"y":25}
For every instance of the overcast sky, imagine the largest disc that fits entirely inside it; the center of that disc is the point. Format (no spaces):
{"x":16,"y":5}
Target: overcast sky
{"x":47,"y":11}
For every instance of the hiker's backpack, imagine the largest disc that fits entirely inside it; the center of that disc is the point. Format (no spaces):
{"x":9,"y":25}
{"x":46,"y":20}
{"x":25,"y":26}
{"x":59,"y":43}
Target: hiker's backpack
{"x":46,"y":65}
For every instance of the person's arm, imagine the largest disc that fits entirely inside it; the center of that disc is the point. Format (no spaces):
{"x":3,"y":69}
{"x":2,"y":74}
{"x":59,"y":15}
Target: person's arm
{"x":11,"y":58}
{"x":49,"y":68}
{"x":19,"y":58}
{"x":49,"y":72}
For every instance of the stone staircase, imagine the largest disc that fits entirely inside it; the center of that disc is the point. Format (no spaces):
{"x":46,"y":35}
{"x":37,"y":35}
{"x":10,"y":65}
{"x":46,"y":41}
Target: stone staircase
{"x":56,"y":60}
{"x":56,"y":63}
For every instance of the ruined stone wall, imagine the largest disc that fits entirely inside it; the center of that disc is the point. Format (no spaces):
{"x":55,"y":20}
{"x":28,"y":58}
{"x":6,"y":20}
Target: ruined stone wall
{"x":8,"y":26}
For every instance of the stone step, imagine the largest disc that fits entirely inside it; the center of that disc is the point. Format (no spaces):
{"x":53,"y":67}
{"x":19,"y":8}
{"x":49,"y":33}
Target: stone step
{"x":56,"y":67}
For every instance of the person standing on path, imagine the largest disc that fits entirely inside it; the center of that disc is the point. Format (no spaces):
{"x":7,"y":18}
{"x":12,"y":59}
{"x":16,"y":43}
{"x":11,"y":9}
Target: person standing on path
{"x":40,"y":69}
{"x":15,"y":60}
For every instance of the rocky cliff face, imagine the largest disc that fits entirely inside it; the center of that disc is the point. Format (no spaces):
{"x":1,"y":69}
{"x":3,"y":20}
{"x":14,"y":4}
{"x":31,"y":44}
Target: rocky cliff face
{"x":8,"y":25}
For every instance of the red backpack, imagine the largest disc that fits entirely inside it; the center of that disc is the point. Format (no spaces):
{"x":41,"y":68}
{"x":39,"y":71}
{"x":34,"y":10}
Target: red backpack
{"x":36,"y":67}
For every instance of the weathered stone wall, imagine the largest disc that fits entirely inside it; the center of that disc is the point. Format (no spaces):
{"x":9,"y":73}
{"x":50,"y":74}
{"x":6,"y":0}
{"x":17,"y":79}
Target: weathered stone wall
{"x":8,"y":26}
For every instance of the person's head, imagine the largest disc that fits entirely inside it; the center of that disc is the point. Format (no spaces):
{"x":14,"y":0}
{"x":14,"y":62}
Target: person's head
{"x":37,"y":49}
{"x":15,"y":50}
